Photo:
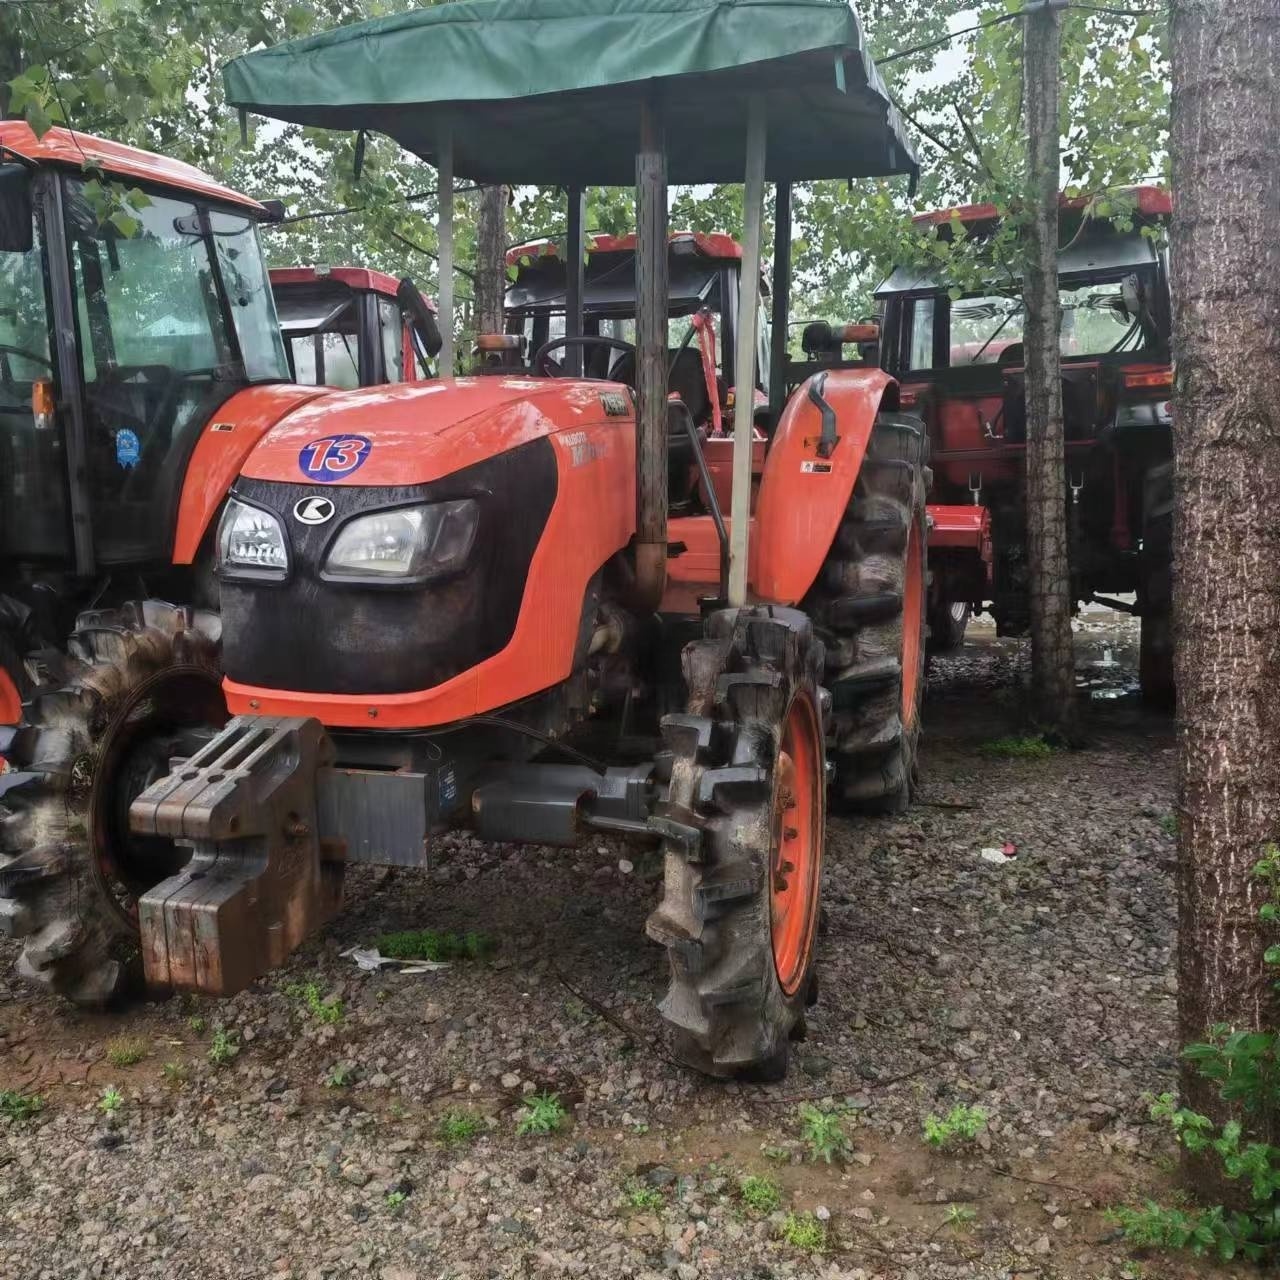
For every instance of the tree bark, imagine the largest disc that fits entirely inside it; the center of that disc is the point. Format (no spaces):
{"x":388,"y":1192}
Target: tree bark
{"x":1226,"y":290}
{"x":491,"y":268}
{"x":1053,"y":685}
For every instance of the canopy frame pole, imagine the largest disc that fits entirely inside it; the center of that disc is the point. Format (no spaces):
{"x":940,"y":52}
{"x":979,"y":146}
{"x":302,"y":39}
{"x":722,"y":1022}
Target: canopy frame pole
{"x":651,"y":357}
{"x":781,"y":299}
{"x":444,"y":239}
{"x":575,"y":278}
{"x":745,"y":359}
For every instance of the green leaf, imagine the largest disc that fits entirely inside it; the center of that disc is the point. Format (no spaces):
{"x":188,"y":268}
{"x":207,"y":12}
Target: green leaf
{"x":38,"y":118}
{"x":128,"y":227}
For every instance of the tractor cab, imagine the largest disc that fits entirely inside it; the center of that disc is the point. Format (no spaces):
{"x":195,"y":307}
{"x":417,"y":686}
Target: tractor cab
{"x":352,"y":327}
{"x":960,"y":363}
{"x":132,"y":307}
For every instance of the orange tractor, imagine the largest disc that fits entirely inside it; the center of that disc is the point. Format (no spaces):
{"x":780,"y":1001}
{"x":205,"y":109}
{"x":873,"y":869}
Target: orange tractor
{"x":472,"y":603}
{"x":353,"y":327}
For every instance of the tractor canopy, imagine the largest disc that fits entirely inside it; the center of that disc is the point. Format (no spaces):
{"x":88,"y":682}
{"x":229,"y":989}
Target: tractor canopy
{"x":547,"y":91}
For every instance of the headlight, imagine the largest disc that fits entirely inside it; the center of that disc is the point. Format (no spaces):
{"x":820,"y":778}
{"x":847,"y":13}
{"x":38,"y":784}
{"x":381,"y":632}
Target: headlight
{"x":250,"y":539}
{"x":409,"y":543}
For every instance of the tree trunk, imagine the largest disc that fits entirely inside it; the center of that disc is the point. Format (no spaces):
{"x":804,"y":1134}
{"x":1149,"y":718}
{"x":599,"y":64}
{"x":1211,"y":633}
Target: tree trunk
{"x":1053,"y":685}
{"x":1226,"y":290}
{"x":491,"y":268}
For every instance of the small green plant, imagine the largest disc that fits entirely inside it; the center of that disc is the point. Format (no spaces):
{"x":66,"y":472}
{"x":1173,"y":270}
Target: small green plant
{"x":642,"y":1196}
{"x":340,"y":1076}
{"x":329,"y":1012}
{"x":804,"y":1231}
{"x":175,"y":1073}
{"x":1169,"y":824}
{"x":1244,"y":1066}
{"x":223,"y":1047}
{"x":459,"y":1127}
{"x":18,"y":1106}
{"x":111,"y":1101}
{"x":1012,"y":747}
{"x":394,"y":1200}
{"x":759,"y":1194}
{"x":959,"y":1216}
{"x":126,"y":1051}
{"x":435,"y":945}
{"x":543,"y":1113}
{"x":823,"y":1133}
{"x":197,"y":1024}
{"x":779,"y":1155}
{"x":961,"y":1126}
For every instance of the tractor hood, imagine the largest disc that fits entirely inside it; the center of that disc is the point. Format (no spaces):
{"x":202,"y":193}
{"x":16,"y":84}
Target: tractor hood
{"x":415,"y":433}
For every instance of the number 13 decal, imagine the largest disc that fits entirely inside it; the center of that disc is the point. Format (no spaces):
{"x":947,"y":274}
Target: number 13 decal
{"x":333,"y":457}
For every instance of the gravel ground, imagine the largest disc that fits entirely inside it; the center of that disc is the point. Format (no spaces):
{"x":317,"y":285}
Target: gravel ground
{"x":1040,"y":989}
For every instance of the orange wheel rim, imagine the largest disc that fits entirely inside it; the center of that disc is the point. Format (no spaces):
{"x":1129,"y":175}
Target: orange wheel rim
{"x":912,"y":613}
{"x":797,"y":844}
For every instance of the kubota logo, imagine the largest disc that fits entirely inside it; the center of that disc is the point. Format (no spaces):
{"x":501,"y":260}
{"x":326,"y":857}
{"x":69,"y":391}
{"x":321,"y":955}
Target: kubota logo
{"x":313,"y":510}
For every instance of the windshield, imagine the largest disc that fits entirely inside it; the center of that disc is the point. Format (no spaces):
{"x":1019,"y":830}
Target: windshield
{"x":1095,"y":322}
{"x":158,"y":349}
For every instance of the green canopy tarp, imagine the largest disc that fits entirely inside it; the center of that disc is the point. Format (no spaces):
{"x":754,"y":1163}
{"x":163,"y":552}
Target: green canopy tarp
{"x":548,"y":91}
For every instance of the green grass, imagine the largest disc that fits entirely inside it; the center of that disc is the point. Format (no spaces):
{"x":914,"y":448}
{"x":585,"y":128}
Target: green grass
{"x":340,"y":1076}
{"x":327,"y":1011}
{"x":759,"y":1194}
{"x":197,"y":1024}
{"x":111,"y":1101}
{"x":17,"y":1106}
{"x":223,"y":1047}
{"x":175,"y":1073}
{"x":543,"y":1113}
{"x":126,"y":1051}
{"x":804,"y":1231}
{"x":823,"y":1133}
{"x":435,"y":945}
{"x":459,"y":1127}
{"x":1034,"y":747}
{"x":961,"y":1126}
{"x":959,"y":1216}
{"x":642,"y":1196}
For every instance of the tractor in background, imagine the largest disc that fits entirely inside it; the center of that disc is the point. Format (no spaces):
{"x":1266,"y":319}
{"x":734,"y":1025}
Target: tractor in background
{"x":140,"y":361}
{"x":353,"y":327}
{"x":959,"y":362}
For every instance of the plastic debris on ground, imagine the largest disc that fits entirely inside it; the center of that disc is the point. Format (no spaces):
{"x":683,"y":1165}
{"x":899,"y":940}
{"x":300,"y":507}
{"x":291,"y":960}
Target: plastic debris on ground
{"x":371,"y":960}
{"x":999,"y":854}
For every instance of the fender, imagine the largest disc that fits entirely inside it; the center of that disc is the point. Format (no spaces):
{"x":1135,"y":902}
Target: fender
{"x":809,"y":474}
{"x":227,"y":440}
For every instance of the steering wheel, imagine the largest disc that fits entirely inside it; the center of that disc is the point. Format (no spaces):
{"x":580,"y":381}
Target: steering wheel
{"x":26,"y":355}
{"x":548,"y":368}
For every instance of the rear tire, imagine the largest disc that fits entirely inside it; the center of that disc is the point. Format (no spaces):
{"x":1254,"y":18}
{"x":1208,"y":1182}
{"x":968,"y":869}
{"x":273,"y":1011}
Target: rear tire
{"x":134,"y":684}
{"x":947,"y":623}
{"x":868,"y":606}
{"x":742,"y":832}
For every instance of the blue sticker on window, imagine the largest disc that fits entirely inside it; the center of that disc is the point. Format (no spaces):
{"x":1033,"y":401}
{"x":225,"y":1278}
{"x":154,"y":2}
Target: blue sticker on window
{"x":333,"y":457}
{"x":128,"y":448}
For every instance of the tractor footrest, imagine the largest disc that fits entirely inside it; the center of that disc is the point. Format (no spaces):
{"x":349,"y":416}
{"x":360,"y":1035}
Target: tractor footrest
{"x":256,"y":884}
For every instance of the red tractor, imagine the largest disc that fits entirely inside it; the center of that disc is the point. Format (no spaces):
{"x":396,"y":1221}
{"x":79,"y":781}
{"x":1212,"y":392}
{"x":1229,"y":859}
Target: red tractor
{"x":352,"y":327}
{"x":484,"y":602}
{"x":959,"y":361}
{"x":140,"y":361}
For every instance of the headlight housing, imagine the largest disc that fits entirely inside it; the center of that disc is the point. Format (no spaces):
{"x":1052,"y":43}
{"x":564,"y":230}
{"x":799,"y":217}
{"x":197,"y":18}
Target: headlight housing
{"x":251,"y":543}
{"x":405,"y":544}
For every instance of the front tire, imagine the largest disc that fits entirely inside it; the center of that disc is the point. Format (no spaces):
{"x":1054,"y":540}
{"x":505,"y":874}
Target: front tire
{"x":134,"y":687}
{"x":948,"y":620}
{"x":743,"y":830}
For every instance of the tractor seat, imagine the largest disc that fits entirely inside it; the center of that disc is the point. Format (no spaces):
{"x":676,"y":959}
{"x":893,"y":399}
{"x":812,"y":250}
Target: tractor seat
{"x":687,"y":380}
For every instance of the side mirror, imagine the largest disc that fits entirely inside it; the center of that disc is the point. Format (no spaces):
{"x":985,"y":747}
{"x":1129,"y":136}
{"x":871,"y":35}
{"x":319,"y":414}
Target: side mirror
{"x":423,"y":320}
{"x":17,"y":232}
{"x":1131,"y":296}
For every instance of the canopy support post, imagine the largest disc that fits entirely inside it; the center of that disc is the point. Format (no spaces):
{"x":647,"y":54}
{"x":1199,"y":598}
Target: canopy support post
{"x":444,"y":238}
{"x":745,"y":359}
{"x":575,"y":279}
{"x":781,"y":299}
{"x":651,"y":358}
